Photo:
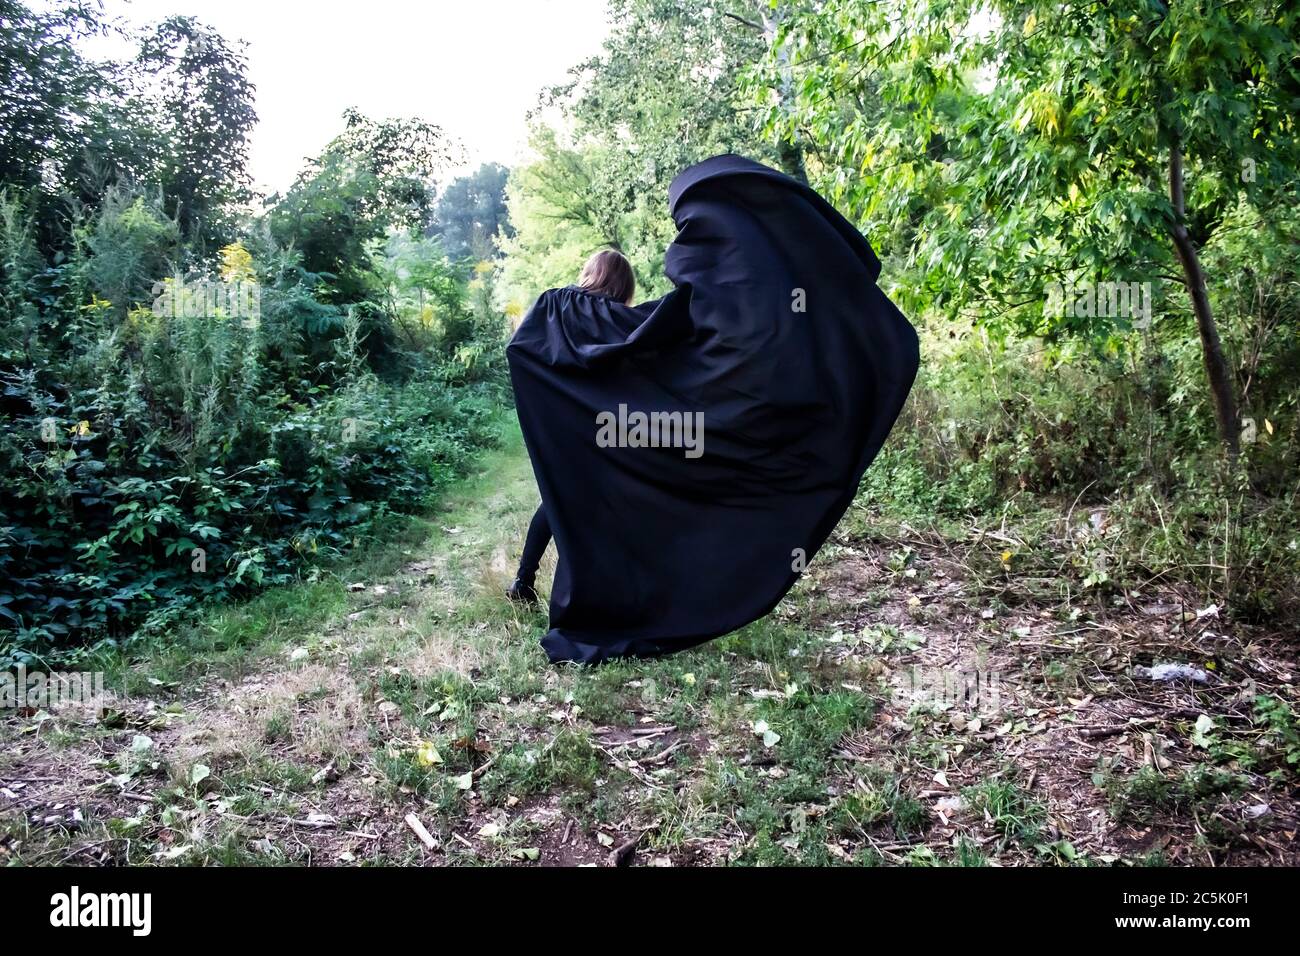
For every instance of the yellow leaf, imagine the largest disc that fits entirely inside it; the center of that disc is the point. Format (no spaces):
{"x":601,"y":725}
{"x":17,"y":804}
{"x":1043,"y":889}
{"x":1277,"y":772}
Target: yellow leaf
{"x":236,"y":263}
{"x":1024,"y":117}
{"x":427,"y":755}
{"x":1053,"y":118}
{"x":1268,"y":426}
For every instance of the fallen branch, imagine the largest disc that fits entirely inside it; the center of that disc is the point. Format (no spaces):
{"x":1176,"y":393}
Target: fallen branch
{"x":1097,"y":733}
{"x":621,"y":855}
{"x":425,"y":836}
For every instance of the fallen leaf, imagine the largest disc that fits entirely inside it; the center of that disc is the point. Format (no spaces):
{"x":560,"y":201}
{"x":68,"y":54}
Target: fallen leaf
{"x":1201,"y":732}
{"x":427,"y":754}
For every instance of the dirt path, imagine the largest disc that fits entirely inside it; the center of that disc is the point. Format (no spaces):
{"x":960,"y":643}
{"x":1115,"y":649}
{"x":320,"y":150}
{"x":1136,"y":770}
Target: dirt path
{"x":906,"y":704}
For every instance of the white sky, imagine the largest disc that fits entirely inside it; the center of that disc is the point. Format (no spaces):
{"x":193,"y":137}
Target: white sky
{"x":474,"y":67}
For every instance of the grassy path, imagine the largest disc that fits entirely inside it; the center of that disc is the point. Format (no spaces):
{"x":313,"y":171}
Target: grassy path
{"x":305,"y":726}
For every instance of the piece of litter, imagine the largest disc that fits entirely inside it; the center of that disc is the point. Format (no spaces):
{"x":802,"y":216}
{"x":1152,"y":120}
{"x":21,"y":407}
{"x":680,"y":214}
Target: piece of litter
{"x":1168,"y":672}
{"x":426,"y":838}
{"x":949,"y":805}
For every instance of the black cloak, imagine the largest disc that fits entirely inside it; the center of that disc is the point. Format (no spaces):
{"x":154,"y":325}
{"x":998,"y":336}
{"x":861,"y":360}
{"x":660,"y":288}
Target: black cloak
{"x":694,"y":452}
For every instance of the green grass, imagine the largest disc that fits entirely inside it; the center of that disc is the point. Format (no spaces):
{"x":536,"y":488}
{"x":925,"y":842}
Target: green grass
{"x":1015,"y":815}
{"x":1143,"y":796}
{"x":776,"y":745}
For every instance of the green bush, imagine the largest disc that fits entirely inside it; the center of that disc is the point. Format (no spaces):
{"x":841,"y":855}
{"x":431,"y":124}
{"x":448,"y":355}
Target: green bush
{"x":152,"y":461}
{"x":1120,"y":428}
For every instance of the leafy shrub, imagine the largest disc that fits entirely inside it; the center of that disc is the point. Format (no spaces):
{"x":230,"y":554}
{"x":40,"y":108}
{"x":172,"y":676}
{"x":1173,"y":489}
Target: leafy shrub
{"x":153,"y":461}
{"x":1120,"y":427}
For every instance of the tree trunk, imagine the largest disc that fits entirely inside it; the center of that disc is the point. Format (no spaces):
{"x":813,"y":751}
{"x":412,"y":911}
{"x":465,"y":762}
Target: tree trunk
{"x":1222,"y":391}
{"x":789,"y":152}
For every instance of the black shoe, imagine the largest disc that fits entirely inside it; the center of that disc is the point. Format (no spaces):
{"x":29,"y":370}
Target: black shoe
{"x":523,"y":592}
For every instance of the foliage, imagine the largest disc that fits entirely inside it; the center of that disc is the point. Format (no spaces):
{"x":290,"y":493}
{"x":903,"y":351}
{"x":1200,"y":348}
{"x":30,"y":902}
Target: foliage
{"x":194,"y":402}
{"x":1023,"y":146}
{"x":371,"y":178}
{"x":1019,"y":148}
{"x":662,"y":94}
{"x":46,"y":80}
{"x":170,"y":459}
{"x":204,"y":110}
{"x":471,"y":212}
{"x":559,"y":218}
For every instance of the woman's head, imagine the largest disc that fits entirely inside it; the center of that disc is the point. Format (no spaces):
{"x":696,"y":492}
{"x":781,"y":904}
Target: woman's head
{"x":609,"y":273}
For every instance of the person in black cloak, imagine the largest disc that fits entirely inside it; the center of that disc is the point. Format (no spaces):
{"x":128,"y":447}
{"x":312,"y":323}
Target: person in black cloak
{"x":606,"y":273}
{"x":693,"y":453}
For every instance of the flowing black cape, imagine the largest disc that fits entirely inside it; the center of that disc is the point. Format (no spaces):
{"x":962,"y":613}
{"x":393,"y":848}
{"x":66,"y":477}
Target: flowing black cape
{"x":777,"y":335}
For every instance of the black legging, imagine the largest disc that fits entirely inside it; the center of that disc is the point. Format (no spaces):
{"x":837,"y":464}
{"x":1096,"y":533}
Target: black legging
{"x":539,"y":536}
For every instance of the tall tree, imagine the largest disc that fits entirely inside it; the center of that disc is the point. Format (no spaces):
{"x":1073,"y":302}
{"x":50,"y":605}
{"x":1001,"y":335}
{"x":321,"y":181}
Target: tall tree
{"x":665,"y":91}
{"x":559,"y":216}
{"x":204,"y":105}
{"x":662,"y":94}
{"x":375,"y":176}
{"x":69,"y":126}
{"x":44,"y":83}
{"x":1022,"y":143}
{"x":472,"y":211}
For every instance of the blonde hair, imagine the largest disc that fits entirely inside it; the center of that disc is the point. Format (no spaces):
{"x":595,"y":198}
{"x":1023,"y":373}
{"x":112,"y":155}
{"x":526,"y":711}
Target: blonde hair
{"x":609,"y":273}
